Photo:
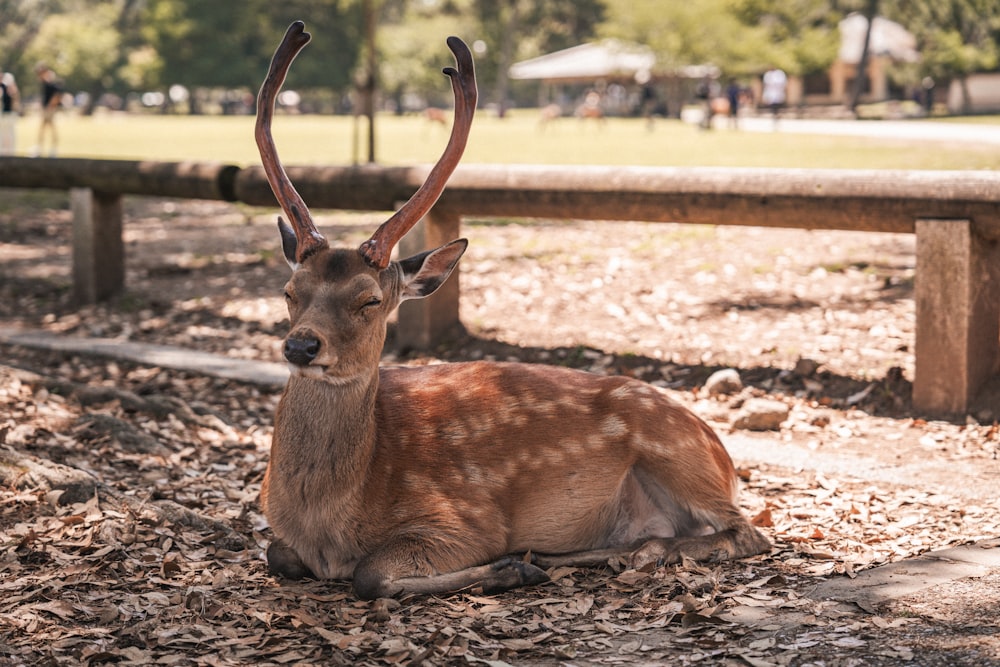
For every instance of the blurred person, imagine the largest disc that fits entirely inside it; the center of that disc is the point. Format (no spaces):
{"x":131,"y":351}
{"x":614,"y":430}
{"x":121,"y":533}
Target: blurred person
{"x":927,"y":84}
{"x":648,"y":101}
{"x":51,"y":99}
{"x":591,"y":107}
{"x":733,"y":94}
{"x":10,"y":105}
{"x":773,"y":95}
{"x":707,"y":91}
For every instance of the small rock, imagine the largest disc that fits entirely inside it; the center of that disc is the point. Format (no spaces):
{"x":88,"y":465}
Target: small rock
{"x":712,"y":411}
{"x":726,"y":381}
{"x":805,"y":367}
{"x":821,"y":420}
{"x":761,"y":414}
{"x":813,"y":386}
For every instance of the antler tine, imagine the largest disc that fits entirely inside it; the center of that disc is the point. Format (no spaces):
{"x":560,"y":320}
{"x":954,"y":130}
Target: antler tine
{"x":308,"y":238}
{"x":378,"y":248}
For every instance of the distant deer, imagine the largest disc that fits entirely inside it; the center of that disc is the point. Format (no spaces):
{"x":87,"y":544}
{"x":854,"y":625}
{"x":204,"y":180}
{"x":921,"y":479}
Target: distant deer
{"x":424,"y":480}
{"x":548,"y":113}
{"x":435,"y":115}
{"x":591,"y":107}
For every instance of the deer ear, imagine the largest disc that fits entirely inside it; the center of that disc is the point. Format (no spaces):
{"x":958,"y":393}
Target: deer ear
{"x":424,"y":273}
{"x":288,"y":243}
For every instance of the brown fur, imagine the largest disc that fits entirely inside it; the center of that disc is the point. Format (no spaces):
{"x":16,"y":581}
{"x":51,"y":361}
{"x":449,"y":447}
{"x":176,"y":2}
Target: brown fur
{"x":423,"y":480}
{"x":398,"y":477}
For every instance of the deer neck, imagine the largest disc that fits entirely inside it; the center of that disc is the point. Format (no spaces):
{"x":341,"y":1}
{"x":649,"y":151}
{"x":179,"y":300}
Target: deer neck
{"x":329,"y":426}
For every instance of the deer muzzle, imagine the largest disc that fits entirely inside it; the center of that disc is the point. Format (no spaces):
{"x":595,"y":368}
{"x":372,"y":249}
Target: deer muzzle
{"x":301,"y":349}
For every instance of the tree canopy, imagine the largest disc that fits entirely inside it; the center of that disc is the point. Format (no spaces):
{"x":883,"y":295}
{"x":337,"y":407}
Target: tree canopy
{"x":134,"y":45}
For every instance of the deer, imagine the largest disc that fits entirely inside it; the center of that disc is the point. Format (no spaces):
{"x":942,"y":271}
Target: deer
{"x":478,"y":475}
{"x":548,"y":114}
{"x":591,"y":108}
{"x":435,"y":115}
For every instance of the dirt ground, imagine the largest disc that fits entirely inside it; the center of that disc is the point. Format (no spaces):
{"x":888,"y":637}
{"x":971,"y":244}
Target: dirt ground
{"x":130,"y":532}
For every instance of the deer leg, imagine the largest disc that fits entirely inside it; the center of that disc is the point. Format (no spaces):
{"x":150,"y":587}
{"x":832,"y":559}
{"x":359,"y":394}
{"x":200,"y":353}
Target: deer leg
{"x":282,"y":561}
{"x":592,"y":558}
{"x":740,"y":540}
{"x":496,"y":577}
{"x":676,"y":531}
{"x":392,"y":570}
{"x":699,"y":505}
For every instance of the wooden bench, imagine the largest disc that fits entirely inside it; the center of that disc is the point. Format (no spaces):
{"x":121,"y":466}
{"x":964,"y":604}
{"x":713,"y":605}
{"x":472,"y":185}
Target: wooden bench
{"x":96,"y":188}
{"x":955,"y":216}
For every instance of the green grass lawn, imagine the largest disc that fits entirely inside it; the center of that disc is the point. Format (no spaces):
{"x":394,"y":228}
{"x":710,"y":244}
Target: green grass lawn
{"x":519,"y":138}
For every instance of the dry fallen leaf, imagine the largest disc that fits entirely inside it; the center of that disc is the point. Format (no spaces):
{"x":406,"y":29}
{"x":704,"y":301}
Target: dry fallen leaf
{"x":763,"y":519}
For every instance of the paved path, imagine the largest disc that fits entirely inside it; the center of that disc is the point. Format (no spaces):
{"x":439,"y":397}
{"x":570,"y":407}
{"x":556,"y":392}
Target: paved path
{"x":265,"y":374}
{"x":879,"y":585}
{"x":917,"y":130}
{"x":979,"y":480}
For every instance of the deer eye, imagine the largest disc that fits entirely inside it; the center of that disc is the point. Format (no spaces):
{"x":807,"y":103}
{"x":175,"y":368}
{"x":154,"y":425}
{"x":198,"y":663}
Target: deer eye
{"x":372,"y":302}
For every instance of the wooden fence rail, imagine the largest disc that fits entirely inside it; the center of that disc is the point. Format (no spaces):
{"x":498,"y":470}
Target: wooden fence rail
{"x":955,"y":216}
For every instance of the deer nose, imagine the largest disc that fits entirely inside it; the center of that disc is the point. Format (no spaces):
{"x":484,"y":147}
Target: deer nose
{"x":301,"y":351}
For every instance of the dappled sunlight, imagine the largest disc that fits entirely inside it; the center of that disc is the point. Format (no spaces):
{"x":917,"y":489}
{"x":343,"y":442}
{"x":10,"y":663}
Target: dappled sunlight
{"x":10,"y":252}
{"x":263,"y":310}
{"x":721,"y":296}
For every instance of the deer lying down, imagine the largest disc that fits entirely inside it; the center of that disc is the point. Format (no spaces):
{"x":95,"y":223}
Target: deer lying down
{"x":424,"y":480}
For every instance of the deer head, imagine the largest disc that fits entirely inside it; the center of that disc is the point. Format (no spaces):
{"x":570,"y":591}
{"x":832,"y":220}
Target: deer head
{"x":348,"y":294}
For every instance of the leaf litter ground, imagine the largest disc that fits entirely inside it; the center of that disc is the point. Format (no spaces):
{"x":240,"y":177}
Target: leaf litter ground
{"x":129,"y":526}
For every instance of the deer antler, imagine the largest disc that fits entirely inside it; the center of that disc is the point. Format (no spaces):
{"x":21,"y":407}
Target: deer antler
{"x":308,"y":238}
{"x":377,"y":249}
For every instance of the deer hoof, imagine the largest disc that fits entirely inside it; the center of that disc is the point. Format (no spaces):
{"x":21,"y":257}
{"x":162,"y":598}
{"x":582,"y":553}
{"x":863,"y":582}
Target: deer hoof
{"x":282,"y":561}
{"x":511,"y":573}
{"x":655,"y":553}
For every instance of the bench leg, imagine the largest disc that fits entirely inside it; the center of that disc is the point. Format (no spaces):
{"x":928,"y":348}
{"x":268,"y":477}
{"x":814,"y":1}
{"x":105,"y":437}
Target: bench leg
{"x":957,"y":294}
{"x":98,"y":248}
{"x":423,"y":323}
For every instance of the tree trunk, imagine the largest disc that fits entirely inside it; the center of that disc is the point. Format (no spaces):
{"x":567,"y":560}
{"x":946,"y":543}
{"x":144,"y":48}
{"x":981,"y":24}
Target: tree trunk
{"x":966,"y":95}
{"x":871,"y":11}
{"x":371,"y":80}
{"x":507,"y":42}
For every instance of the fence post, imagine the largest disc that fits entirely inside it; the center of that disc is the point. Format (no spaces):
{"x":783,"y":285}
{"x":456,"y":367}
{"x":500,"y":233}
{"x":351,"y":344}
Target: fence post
{"x":98,"y":248}
{"x":425,"y":322}
{"x":957,"y":295}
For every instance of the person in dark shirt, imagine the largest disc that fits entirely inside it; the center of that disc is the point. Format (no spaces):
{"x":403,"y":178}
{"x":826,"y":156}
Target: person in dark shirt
{"x":51,"y":99}
{"x":10,"y":102}
{"x":733,"y":94}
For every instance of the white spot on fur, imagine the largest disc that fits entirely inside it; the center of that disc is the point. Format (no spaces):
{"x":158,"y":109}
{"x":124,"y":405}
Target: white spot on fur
{"x":473,"y":473}
{"x":621,"y":393}
{"x":544,"y":408}
{"x":613,"y":426}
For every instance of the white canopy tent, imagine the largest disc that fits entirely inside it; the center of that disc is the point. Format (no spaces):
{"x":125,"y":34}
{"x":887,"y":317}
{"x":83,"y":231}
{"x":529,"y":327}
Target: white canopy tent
{"x":889,"y":43}
{"x":610,"y":62}
{"x":888,"y":39}
{"x":588,"y":62}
